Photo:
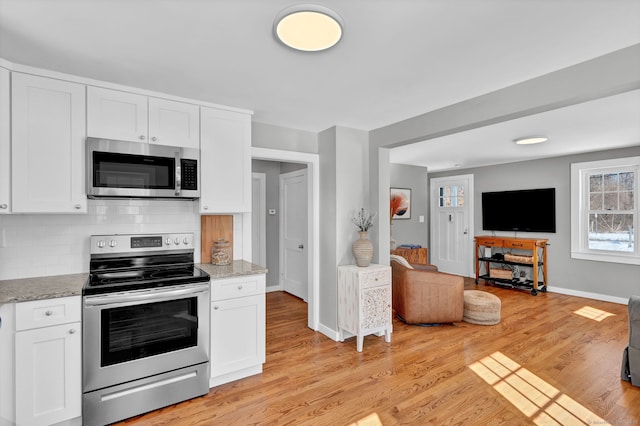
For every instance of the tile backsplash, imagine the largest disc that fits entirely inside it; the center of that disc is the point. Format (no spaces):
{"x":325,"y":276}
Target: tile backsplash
{"x":54,"y":244}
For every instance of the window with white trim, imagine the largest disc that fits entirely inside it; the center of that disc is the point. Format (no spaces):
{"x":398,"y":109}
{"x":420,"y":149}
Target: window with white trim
{"x":604,"y":210}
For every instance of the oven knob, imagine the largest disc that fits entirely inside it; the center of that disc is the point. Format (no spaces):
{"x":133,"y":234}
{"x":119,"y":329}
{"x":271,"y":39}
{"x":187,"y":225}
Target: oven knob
{"x":168,"y":241}
{"x":101,"y":244}
{"x":185,"y":241}
{"x":113,"y":243}
{"x":177,"y":241}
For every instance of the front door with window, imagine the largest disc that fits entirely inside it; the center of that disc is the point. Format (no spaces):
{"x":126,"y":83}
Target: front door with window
{"x":451,"y":224}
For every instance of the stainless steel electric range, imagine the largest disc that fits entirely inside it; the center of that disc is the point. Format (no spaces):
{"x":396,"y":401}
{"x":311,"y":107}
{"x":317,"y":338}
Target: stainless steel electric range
{"x":145,"y":326}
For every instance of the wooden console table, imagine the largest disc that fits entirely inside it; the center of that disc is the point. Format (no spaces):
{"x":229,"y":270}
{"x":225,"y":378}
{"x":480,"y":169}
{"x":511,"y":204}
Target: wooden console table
{"x":417,"y":256}
{"x":537,"y":249}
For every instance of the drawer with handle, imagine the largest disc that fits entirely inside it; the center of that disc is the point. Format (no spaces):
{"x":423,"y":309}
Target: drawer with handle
{"x":47,"y":312}
{"x":229,"y":288}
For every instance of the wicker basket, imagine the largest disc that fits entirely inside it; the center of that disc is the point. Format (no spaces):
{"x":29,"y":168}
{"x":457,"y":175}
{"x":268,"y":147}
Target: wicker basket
{"x":506,"y":274}
{"x":518,"y":258}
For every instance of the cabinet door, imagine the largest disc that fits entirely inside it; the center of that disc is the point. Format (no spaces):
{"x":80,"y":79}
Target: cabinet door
{"x":5,"y":142}
{"x":225,"y":153}
{"x":47,"y":145}
{"x":48,"y":374}
{"x":174,"y":123}
{"x":376,"y":307}
{"x":112,"y":114}
{"x":237,"y":334}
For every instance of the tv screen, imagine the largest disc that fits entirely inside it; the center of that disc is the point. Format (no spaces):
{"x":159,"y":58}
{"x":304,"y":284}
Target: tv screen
{"x":527,"y":210}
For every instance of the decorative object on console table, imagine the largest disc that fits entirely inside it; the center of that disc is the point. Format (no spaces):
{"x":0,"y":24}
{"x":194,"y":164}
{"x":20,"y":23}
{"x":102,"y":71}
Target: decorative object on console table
{"x":416,"y":256}
{"x":363,"y":248}
{"x":212,"y":228}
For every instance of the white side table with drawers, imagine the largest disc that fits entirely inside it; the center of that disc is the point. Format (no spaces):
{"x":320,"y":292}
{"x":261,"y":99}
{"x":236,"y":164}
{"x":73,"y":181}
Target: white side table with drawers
{"x":364,"y":302}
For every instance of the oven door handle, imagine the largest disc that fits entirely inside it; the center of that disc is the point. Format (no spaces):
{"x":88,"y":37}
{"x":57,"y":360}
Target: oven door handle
{"x":151,"y":296}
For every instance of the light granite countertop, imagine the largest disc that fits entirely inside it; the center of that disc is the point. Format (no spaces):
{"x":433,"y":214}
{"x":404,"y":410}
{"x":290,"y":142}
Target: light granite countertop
{"x":26,"y":289}
{"x":236,"y":269}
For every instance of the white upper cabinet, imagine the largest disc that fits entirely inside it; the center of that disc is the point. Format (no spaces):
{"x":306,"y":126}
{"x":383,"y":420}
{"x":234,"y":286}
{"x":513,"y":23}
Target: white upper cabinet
{"x":113,"y":114}
{"x":174,"y":123}
{"x":5,"y":141}
{"x":47,"y":145}
{"x":225,"y":153}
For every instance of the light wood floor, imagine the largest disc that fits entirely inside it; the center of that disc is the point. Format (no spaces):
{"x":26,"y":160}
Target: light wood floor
{"x":542,"y":364}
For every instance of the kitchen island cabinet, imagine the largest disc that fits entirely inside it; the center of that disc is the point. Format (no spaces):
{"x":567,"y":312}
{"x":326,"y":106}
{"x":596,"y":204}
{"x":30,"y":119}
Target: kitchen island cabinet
{"x":115,"y":114}
{"x":238,"y":345}
{"x":225,"y":154}
{"x":47,"y":145}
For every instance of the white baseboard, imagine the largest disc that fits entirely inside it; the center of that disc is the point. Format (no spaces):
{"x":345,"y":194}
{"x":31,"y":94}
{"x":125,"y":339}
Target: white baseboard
{"x":329,"y":332}
{"x":588,"y":295}
{"x":271,"y":288}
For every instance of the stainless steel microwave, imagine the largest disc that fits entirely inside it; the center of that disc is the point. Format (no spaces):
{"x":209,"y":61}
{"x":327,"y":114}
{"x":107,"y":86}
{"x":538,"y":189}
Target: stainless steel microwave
{"x":122,"y":169}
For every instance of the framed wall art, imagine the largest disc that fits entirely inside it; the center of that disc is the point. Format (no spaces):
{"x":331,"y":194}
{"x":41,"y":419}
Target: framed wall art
{"x":400,"y":203}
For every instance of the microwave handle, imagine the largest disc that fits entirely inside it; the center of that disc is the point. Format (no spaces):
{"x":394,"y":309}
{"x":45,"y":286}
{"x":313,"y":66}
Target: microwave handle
{"x":178,"y":174}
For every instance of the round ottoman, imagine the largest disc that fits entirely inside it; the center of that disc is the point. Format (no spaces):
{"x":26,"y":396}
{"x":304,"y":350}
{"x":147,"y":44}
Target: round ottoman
{"x":481,"y":307}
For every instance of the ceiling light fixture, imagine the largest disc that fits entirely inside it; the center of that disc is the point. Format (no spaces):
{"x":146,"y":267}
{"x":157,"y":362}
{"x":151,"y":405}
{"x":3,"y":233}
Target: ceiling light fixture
{"x":530,"y":140}
{"x":308,"y":27}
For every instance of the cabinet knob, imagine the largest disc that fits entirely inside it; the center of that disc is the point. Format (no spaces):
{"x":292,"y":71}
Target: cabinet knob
{"x":142,"y":137}
{"x":154,"y":139}
{"x":216,"y":307}
{"x":3,"y":206}
{"x":205,"y":207}
{"x":240,"y":287}
{"x":77,"y":206}
{"x":48,"y":313}
{"x":72,"y":331}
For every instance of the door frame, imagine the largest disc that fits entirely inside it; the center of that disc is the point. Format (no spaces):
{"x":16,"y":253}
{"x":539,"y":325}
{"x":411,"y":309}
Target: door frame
{"x":469,"y":203}
{"x":262,"y":210}
{"x":313,"y":228}
{"x":282,"y":224}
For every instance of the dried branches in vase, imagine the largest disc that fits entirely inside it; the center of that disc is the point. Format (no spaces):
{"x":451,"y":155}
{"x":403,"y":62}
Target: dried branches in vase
{"x":363,"y":219}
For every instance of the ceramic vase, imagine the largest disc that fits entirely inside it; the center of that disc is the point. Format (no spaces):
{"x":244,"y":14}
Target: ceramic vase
{"x":363,"y":249}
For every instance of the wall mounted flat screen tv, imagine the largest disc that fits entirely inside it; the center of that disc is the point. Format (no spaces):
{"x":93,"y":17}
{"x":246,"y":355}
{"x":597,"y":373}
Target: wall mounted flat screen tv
{"x":528,"y":210}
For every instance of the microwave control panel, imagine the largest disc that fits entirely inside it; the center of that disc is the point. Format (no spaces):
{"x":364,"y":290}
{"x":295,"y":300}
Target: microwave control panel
{"x":189,"y":173}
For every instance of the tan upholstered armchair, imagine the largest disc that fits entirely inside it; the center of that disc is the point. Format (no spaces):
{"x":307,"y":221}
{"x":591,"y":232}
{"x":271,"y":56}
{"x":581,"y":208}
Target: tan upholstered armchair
{"x":422,"y":295}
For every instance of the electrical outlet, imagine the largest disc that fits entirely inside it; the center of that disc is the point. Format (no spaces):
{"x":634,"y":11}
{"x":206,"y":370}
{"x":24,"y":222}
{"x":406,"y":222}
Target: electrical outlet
{"x":272,"y":212}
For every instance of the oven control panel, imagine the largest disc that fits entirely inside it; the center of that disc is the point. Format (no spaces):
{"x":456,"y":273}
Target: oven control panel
{"x":133,"y":243}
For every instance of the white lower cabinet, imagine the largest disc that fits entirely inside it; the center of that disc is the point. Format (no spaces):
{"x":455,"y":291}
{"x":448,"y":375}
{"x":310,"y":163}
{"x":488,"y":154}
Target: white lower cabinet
{"x":47,"y":355}
{"x":237,"y":328}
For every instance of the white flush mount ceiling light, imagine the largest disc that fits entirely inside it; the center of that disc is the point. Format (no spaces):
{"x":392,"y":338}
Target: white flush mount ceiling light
{"x":308,"y":27}
{"x":530,"y":140}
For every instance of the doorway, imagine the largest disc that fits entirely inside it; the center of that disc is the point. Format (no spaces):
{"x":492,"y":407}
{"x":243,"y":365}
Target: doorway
{"x":311,"y":248}
{"x":451,"y":212}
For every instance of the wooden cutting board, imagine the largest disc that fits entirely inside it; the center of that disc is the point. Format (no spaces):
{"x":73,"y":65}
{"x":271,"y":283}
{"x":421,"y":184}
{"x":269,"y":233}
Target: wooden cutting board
{"x":214,"y":227}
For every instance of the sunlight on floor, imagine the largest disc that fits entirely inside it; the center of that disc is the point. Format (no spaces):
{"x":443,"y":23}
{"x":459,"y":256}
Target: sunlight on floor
{"x":593,"y":313}
{"x":533,"y":396}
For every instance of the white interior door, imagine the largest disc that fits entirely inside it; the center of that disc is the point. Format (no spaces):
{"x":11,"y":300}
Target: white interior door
{"x":452,"y":224}
{"x":293,"y":233}
{"x":258,"y":218}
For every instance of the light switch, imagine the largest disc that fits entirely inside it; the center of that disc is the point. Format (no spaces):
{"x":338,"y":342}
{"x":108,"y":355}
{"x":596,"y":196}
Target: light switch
{"x":272,"y":212}
{"x":421,"y":219}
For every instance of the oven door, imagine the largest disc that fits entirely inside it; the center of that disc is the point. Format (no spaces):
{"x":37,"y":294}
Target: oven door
{"x":136,"y":334}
